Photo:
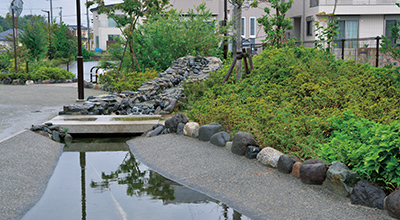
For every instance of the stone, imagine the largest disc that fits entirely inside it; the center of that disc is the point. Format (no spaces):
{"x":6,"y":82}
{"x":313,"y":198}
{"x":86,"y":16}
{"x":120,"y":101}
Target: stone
{"x":252,"y":152}
{"x":46,"y":81}
{"x":269,"y":156}
{"x":241,"y":140}
{"x":296,"y":169}
{"x":180,"y":128}
{"x":55,"y":136}
{"x":171,"y":106}
{"x":206,"y":131}
{"x":219,"y":139}
{"x":156,"y":131}
{"x":29,"y":82}
{"x":228,"y":145}
{"x":392,"y":204}
{"x":285,"y":163}
{"x":313,"y":171}
{"x":172,"y":123}
{"x":367,"y":194}
{"x":37,"y":128}
{"x":7,"y":81}
{"x":340,"y":179}
{"x":88,"y":85}
{"x":15,"y":82}
{"x":97,"y":87}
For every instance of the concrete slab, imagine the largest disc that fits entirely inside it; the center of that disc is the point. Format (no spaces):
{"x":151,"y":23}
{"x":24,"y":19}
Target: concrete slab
{"x":27,"y":161}
{"x":106,"y":124}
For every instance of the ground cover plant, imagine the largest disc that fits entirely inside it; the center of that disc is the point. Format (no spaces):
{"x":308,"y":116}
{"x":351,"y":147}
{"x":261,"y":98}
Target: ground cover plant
{"x":288,"y":98}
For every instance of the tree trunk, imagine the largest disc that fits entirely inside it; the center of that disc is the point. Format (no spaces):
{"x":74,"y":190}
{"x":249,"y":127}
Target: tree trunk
{"x":237,"y":10}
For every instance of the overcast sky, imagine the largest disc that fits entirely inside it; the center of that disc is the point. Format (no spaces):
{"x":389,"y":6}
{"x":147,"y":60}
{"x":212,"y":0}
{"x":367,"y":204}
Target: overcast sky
{"x":35,"y":7}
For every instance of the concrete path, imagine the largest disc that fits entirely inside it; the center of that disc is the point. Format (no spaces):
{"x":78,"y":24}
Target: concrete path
{"x":27,"y":160}
{"x":249,"y":187}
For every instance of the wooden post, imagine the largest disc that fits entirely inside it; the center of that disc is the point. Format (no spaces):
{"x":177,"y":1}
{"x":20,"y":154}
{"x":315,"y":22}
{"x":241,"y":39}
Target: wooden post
{"x":230,"y":70}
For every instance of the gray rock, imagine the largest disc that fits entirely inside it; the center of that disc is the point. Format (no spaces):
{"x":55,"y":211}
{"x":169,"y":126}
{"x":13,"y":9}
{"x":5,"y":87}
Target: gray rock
{"x":269,"y":156}
{"x":252,"y":152}
{"x":156,"y":131}
{"x":285,"y":163}
{"x":367,"y":194}
{"x":241,"y":140}
{"x":180,"y":128}
{"x":172,"y":123}
{"x":340,"y":179}
{"x":392,"y":204}
{"x":228,"y":145}
{"x":206,"y":131}
{"x":37,"y":128}
{"x":7,"y":81}
{"x":171,"y":105}
{"x":219,"y":139}
{"x":313,"y":172}
{"x":55,"y":136}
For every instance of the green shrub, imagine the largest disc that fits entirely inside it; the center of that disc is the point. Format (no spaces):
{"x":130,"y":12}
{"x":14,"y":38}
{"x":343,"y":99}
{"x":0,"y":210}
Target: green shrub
{"x":51,"y":73}
{"x":369,"y":148}
{"x":127,"y":80}
{"x":287,"y":99}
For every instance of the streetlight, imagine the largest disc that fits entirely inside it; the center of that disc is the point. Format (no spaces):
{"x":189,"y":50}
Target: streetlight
{"x":79,"y":57}
{"x":48,"y":21}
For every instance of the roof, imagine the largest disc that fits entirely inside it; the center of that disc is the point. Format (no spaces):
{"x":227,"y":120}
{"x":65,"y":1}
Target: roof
{"x":8,"y":33}
{"x":75,"y":27}
{"x":98,"y":7}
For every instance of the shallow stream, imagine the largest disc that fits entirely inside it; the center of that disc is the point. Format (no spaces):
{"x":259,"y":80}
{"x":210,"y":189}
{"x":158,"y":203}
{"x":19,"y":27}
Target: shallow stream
{"x":101,"y":179}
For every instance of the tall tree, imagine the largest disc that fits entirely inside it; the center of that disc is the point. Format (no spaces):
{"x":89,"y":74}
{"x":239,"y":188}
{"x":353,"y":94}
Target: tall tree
{"x":133,"y":10}
{"x":34,"y":40}
{"x":63,"y":42}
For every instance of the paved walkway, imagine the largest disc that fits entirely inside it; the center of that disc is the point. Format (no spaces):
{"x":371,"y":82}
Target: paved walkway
{"x":249,"y":187}
{"x":27,"y":160}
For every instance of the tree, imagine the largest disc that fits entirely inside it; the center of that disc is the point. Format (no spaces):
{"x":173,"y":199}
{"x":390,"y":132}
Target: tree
{"x":389,"y":45}
{"x":34,"y":40}
{"x":133,"y":10}
{"x":275,"y":25}
{"x":63,"y":42}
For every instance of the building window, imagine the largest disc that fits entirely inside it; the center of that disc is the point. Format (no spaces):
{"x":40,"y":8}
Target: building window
{"x":244,"y":27}
{"x":112,"y":37}
{"x":112,"y":23}
{"x":252,"y":27}
{"x":314,"y":3}
{"x":97,"y":42}
{"x":309,"y":28}
{"x":347,"y":30}
{"x":388,"y":32}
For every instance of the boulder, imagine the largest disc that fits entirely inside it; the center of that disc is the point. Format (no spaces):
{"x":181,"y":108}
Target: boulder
{"x":367,"y":194}
{"x":191,"y":129}
{"x":172,"y":123}
{"x":296,"y":169}
{"x":156,"y":131}
{"x":7,"y":81}
{"x":252,"y":152}
{"x":220,"y":139}
{"x":340,"y":179}
{"x":228,"y":145}
{"x":29,"y":82}
{"x":392,"y":204}
{"x":313,"y":172}
{"x":285,"y":163}
{"x":206,"y":131}
{"x":241,"y":140}
{"x":180,"y":128}
{"x":269,"y":156}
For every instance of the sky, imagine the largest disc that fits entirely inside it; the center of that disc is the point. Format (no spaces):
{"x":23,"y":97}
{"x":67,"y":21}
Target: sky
{"x":35,"y":7}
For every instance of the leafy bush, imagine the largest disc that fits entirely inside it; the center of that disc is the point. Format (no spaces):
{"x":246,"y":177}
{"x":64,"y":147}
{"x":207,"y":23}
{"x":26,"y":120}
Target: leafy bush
{"x":291,"y":93}
{"x":51,"y":73}
{"x":369,"y":148}
{"x":127,"y":80}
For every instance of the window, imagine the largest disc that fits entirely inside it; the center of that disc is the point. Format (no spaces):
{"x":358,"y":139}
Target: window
{"x":348,"y":29}
{"x":314,"y":3}
{"x":112,"y":37}
{"x":388,"y":32}
{"x":112,"y":23}
{"x":309,"y":28}
{"x":244,"y":27}
{"x":252,"y":30}
{"x":97,"y":42}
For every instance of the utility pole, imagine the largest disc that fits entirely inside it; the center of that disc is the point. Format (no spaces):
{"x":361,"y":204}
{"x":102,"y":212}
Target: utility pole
{"x":60,"y":13}
{"x":88,"y":26}
{"x":226,"y":31}
{"x":79,"y":57}
{"x":48,"y":21}
{"x":51,"y":11}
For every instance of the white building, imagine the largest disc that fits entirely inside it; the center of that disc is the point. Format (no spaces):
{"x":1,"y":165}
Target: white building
{"x":105,"y":30}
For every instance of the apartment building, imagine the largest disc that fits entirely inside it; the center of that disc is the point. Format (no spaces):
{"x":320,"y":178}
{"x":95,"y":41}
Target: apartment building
{"x":105,"y":30}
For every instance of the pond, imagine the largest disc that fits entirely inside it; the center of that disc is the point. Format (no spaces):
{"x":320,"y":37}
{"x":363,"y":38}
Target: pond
{"x":101,"y":179}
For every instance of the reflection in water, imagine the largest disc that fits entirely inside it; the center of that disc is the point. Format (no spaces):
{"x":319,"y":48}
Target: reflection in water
{"x":100,"y":179}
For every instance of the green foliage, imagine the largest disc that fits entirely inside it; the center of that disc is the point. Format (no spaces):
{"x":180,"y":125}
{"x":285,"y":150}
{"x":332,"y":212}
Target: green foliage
{"x":291,"y":93}
{"x":369,"y":148}
{"x":325,"y":31}
{"x":275,"y":24}
{"x":63,"y":42}
{"x":34,"y":40}
{"x":166,"y":37}
{"x":4,"y":62}
{"x":52,"y":73}
{"x":127,"y":80}
{"x":389,"y":45}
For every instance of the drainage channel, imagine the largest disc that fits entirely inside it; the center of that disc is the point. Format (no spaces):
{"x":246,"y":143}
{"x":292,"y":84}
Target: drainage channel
{"x":98,"y":178}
